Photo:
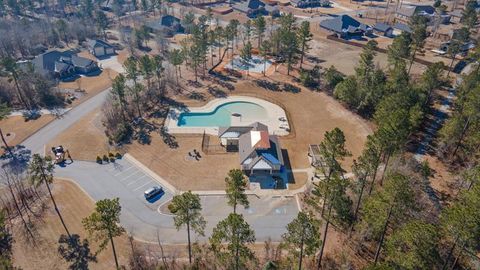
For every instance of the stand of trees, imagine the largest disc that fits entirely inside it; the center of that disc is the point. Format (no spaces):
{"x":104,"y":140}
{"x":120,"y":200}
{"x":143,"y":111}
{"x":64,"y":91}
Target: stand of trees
{"x":21,"y":88}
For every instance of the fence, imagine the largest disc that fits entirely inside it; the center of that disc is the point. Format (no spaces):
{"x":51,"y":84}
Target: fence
{"x":211,"y":148}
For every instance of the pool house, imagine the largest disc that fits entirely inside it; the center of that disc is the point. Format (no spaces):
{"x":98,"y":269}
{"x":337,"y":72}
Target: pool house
{"x":260,"y":152}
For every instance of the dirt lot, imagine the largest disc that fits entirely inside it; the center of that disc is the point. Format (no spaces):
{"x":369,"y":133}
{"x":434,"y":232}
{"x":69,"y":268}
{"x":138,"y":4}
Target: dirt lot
{"x":85,"y":139}
{"x":345,"y":57}
{"x":74,"y":205}
{"x":16,"y":129}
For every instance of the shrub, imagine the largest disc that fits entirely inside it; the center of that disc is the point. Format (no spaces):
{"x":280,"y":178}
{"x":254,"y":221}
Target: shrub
{"x":118,"y":155}
{"x":110,"y":154}
{"x":99,"y":160}
{"x":105,"y":158}
{"x":112,"y":159}
{"x":122,"y":133}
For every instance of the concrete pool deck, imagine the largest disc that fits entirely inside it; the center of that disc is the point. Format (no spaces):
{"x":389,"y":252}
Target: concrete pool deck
{"x":272,"y":119}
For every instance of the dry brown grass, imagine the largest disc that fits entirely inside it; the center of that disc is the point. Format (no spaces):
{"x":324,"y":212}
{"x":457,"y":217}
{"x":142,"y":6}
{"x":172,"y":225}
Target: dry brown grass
{"x":122,"y":56}
{"x":310,"y":113}
{"x":74,"y":205}
{"x":19,"y":129}
{"x":85,"y":139}
{"x":172,"y":164}
{"x":91,"y":85}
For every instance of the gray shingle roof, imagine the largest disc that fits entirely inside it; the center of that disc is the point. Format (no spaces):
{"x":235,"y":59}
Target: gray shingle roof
{"x":340,"y":24}
{"x":81,"y":61}
{"x":52,"y":61}
{"x":93,"y":43}
{"x":45,"y":63}
{"x":409,"y":11}
{"x":382,"y":27}
{"x":402,"y":27}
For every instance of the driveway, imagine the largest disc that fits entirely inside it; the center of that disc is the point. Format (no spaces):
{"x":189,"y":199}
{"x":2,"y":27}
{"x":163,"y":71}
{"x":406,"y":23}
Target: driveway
{"x":268,"y":216}
{"x":111,"y":63}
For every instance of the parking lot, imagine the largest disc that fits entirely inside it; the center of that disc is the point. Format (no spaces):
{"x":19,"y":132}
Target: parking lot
{"x":268,"y":215}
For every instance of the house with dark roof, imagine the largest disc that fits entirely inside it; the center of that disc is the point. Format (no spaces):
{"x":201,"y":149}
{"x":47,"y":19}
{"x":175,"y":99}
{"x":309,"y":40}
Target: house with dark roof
{"x":310,"y":3}
{"x":383,"y":29}
{"x":346,"y":26}
{"x":254,"y":8}
{"x":100,"y":48}
{"x":168,"y":25}
{"x":61,"y":65}
{"x":259,"y":152}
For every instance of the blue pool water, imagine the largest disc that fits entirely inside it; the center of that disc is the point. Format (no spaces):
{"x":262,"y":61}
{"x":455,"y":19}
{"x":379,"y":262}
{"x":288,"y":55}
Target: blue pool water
{"x":221,"y":116}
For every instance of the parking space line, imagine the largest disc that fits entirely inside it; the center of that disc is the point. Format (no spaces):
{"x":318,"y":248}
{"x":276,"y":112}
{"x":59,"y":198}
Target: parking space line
{"x":120,"y":172}
{"x":128,"y":176}
{"x":143,"y":185}
{"x":136,"y":180}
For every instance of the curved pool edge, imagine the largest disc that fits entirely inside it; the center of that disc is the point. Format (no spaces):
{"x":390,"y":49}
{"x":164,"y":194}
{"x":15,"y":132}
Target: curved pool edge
{"x":274,"y":111}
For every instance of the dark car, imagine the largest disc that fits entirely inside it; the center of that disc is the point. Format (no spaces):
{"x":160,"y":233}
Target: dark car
{"x":152,"y":192}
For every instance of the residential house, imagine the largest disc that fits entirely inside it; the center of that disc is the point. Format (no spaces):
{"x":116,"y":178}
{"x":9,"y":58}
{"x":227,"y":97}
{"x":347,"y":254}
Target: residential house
{"x":398,"y":28}
{"x":310,"y":3}
{"x":457,"y":15}
{"x":260,"y":152}
{"x":346,"y":27}
{"x":168,"y":25}
{"x":254,"y":8}
{"x":100,"y":48}
{"x":61,"y":65}
{"x":406,"y":12}
{"x":383,"y":29}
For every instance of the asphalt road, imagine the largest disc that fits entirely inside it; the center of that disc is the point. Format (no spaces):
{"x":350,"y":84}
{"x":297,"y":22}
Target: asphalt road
{"x":268,"y":216}
{"x":37,"y":141}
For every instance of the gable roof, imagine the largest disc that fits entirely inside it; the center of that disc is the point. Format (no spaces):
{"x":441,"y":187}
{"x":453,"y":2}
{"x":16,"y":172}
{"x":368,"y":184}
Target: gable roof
{"x":382,"y":27}
{"x":402,"y":27}
{"x":342,"y":23}
{"x":169,"y":20}
{"x":271,"y":156}
{"x":224,"y":131}
{"x":259,"y":139}
{"x":56,"y":61}
{"x":255,"y":4}
{"x":78,"y":61}
{"x":93,"y":43}
{"x":46,"y":62}
{"x":409,"y":11}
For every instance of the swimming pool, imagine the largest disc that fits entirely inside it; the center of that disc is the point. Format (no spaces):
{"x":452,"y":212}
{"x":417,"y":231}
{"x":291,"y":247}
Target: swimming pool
{"x":222,"y":115}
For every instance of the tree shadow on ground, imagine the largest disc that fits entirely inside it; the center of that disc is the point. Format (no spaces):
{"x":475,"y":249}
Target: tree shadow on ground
{"x":168,"y":138}
{"x":216,"y":92}
{"x":268,"y":85}
{"x":287,"y":87}
{"x":17,"y":160}
{"x":195,"y":84}
{"x":175,"y":104}
{"x":75,"y":251}
{"x":196,"y":96}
